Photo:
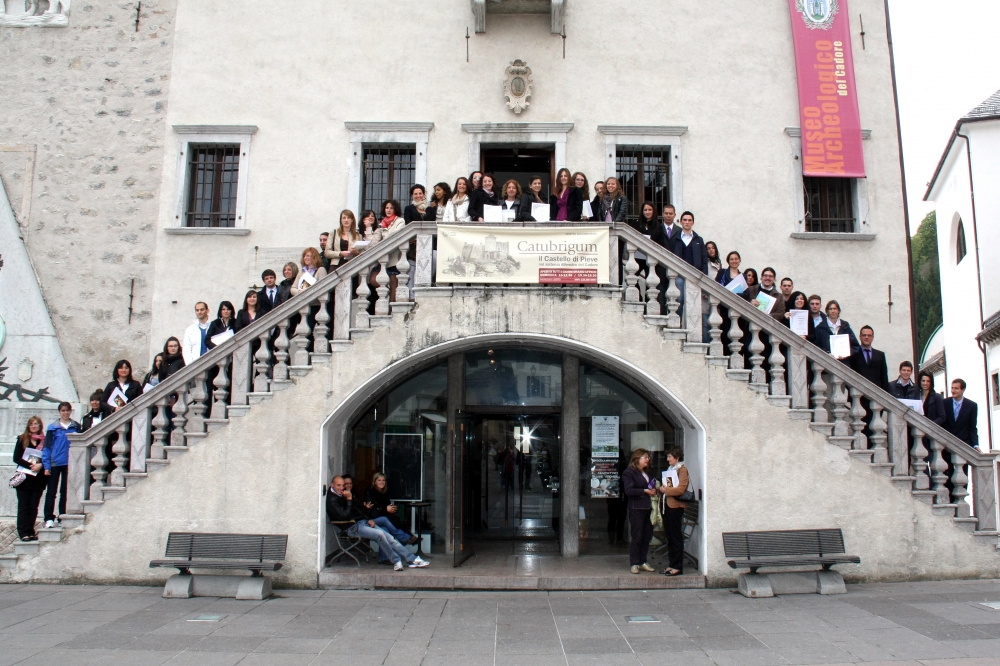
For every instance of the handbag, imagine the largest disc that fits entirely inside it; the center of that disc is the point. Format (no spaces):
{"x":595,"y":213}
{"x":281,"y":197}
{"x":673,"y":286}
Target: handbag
{"x":17,"y":479}
{"x":687,"y":495}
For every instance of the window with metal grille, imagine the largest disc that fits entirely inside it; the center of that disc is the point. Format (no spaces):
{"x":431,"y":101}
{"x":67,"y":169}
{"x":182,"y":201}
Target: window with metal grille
{"x":960,"y":249}
{"x":387,"y":171}
{"x":829,"y":204}
{"x":213,"y":178}
{"x":644,"y":174}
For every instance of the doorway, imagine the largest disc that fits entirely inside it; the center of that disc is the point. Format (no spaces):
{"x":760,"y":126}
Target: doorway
{"x":507,"y":482}
{"x":519,"y":163}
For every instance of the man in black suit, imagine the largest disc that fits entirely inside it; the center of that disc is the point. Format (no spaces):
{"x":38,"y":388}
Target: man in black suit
{"x":961,"y":416}
{"x":869,"y":362}
{"x":267,"y":297}
{"x":668,"y":229}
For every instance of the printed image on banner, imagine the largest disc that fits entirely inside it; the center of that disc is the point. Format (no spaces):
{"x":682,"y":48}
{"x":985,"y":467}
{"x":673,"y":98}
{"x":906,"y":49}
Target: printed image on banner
{"x":520,"y":255}
{"x":828,"y":96}
{"x":604,"y":445}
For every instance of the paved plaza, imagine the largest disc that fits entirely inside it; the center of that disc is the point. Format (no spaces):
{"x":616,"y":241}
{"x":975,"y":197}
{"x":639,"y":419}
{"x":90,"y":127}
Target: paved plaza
{"x":904,"y":624}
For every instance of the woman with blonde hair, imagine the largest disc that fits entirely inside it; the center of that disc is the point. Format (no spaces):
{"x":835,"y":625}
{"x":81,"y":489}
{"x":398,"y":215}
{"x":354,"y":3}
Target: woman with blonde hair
{"x":614,"y":205}
{"x":457,"y":209}
{"x":639,"y":486}
{"x":311,"y":265}
{"x":566,"y":200}
{"x":290,"y":272}
{"x":511,"y":200}
{"x":383,"y":511}
{"x":342,"y":250}
{"x":30,"y":489}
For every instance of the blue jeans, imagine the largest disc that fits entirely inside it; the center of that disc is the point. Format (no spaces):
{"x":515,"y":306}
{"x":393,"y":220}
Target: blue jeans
{"x":383,"y":523}
{"x":387,"y":544}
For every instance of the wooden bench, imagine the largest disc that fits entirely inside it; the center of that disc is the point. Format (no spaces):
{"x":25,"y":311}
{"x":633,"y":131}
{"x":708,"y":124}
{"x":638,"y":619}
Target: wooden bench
{"x":255,"y":553}
{"x":822,"y":548}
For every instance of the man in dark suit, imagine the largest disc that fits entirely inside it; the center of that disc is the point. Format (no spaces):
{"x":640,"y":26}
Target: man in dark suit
{"x":869,"y":362}
{"x":267,"y":297}
{"x":688,"y":245}
{"x":961,"y":415}
{"x":668,"y":229}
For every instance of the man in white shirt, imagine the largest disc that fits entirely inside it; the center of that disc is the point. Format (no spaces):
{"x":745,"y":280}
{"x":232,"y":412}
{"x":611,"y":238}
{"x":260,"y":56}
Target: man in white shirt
{"x":194,"y":336}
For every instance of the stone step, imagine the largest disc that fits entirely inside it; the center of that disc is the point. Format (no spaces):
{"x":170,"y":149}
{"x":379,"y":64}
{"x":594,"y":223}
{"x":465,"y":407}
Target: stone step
{"x":718,"y":361}
{"x":257,"y":398}
{"x":742,"y":376}
{"x":175,"y":451}
{"x":944,"y":509}
{"x":862,"y":455}
{"x":675,"y":334}
{"x":967,"y":524}
{"x":299,"y":370}
{"x":904,"y":482}
{"x":153,"y":464}
{"x":50,"y":534}
{"x":695,"y":348}
{"x":236,"y":411}
{"x":131,"y":478}
{"x":800,"y":414}
{"x":71,"y":521}
{"x":989,"y":538}
{"x":211,"y":425}
{"x":885,"y":469}
{"x":90,"y":506}
{"x":925,"y":496}
{"x":26,"y":548}
{"x":280,"y":384}
{"x":8,"y":560}
{"x":111,"y":492}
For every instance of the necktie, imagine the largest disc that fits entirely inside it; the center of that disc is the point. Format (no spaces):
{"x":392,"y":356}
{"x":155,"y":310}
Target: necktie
{"x":270,"y":295}
{"x":957,"y":406}
{"x":868,"y":356}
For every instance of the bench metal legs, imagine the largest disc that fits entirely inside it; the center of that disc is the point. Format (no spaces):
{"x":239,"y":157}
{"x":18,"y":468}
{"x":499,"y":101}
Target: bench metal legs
{"x":184,"y":586}
{"x":759,"y":586}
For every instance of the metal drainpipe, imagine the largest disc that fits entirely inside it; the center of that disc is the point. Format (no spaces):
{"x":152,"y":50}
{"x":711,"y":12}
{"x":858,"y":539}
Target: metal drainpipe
{"x":979,"y":283}
{"x":902,"y":173}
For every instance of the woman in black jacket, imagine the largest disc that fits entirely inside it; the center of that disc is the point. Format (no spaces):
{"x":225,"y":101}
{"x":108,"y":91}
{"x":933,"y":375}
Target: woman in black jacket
{"x":611,"y":206}
{"x":484,"y":196}
{"x":226,"y":321}
{"x":121,"y":378}
{"x":173,"y":360}
{"x":290,"y":273}
{"x":639,"y":486}
{"x":933,"y":402}
{"x":152,"y":377}
{"x":29,"y":493}
{"x":419,"y":209}
{"x":249,"y":312}
{"x":510,"y":198}
{"x":566,"y":201}
{"x":531,"y":197}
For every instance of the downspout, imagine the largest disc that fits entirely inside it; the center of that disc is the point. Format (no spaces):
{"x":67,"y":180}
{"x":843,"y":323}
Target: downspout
{"x":979,"y":283}
{"x":902,"y":173}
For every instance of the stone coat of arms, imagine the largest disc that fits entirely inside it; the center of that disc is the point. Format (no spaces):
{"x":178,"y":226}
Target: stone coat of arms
{"x":517,"y":86}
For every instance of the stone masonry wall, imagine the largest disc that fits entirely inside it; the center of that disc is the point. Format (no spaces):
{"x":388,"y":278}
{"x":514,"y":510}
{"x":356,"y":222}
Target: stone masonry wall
{"x":84,"y":109}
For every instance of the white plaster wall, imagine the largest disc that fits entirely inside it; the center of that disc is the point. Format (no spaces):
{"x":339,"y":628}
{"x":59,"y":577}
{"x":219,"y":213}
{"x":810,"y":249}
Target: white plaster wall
{"x":299,"y":75}
{"x":761,"y":470}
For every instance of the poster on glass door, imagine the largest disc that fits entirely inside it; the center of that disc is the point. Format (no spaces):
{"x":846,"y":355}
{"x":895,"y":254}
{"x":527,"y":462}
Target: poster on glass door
{"x":604,"y":445}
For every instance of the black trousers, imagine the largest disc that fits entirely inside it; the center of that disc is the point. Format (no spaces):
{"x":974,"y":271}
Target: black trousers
{"x":57,"y":483}
{"x":28,"y":500}
{"x":616,"y":519}
{"x":672,"y":524}
{"x":642,"y":534}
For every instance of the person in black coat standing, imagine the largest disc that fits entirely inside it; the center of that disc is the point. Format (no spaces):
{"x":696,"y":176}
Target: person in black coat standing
{"x":267,"y":297}
{"x":904,"y":388}
{"x":226,"y":321}
{"x":99,"y":411}
{"x":869,"y":362}
{"x":639,"y":487}
{"x":29,"y":492}
{"x":961,"y":415}
{"x":484,"y":196}
{"x":121,"y":378}
{"x":933,"y":402}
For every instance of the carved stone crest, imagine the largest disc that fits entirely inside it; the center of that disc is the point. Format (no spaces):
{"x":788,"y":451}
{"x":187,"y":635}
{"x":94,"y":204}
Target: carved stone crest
{"x":517,"y":86}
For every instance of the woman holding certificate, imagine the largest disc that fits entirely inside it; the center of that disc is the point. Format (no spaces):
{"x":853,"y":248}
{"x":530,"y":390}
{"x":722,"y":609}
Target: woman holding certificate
{"x":311,"y":273}
{"x":224,"y":326}
{"x":457,"y":209}
{"x":511,"y":202}
{"x":677,"y":481}
{"x":531,"y":198}
{"x":123,"y":388}
{"x":341,"y":249}
{"x":639,"y":487}
{"x":484,"y":196}
{"x":566,"y":201}
{"x":29,"y":491}
{"x":835,"y":335}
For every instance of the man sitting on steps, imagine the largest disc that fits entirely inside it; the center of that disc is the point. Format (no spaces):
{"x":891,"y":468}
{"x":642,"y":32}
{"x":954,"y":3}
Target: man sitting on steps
{"x":341,"y":506}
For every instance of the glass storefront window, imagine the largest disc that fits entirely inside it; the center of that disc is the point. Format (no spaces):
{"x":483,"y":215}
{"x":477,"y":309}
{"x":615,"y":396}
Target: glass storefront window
{"x":513,"y":377}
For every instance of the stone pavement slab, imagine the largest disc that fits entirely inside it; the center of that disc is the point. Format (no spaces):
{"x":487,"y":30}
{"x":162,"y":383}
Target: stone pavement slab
{"x":938,"y":623}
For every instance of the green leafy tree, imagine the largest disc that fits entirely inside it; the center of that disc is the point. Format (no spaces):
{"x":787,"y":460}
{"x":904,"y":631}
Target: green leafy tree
{"x":926,"y":280}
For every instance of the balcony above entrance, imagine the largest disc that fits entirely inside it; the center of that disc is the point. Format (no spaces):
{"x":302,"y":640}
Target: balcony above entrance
{"x":480,"y":8}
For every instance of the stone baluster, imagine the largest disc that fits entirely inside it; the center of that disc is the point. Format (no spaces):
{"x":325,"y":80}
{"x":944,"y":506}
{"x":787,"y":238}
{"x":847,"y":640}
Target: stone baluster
{"x":818,"y":388}
{"x":98,"y":472}
{"x":299,"y":346}
{"x":631,"y":279}
{"x":240,"y":384}
{"x":199,"y":405}
{"x":140,"y":439}
{"x":715,"y":347}
{"x":841,"y":427}
{"x":361,"y":316}
{"x":320,"y":345}
{"x":776,"y":366}
{"x":613,"y":258}
{"x":78,"y":474}
{"x":160,"y":430}
{"x":798,"y":378}
{"x":758,"y":376}
{"x":959,"y":486}
{"x":423,"y":271}
{"x":673,"y":300}
{"x":221,"y":393}
{"x":918,"y":460}
{"x":180,"y":409}
{"x":341,"y":314}
{"x":652,"y":291}
{"x":858,"y":421}
{"x":280,"y":371}
{"x":402,"y":294}
{"x":382,"y":304}
{"x":735,"y":341}
{"x":939,"y":477}
{"x":878,"y":438}
{"x":119,"y":448}
{"x":262,"y":362}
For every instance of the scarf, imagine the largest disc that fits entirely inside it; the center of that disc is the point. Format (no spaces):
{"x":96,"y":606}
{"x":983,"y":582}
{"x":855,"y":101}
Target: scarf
{"x":422,"y":206}
{"x":387,"y":221}
{"x":488,"y":192}
{"x":459,"y":199}
{"x":37,"y":441}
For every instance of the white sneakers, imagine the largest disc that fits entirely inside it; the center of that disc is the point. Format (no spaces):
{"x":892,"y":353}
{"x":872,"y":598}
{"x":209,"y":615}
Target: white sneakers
{"x":49,"y":523}
{"x":398,"y":566}
{"x":418,"y":563}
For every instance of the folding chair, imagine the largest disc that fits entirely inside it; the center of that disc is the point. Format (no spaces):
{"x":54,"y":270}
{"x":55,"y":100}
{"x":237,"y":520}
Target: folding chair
{"x":346,"y":545}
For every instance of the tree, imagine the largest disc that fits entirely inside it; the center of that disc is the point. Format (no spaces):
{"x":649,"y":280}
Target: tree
{"x":926,"y":280}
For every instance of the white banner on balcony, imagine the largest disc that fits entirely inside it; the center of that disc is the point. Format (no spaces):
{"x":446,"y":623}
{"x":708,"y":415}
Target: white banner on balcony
{"x":523,"y":255}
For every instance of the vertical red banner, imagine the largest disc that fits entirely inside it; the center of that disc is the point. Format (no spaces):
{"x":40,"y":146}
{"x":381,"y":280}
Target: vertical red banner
{"x":828,"y":96}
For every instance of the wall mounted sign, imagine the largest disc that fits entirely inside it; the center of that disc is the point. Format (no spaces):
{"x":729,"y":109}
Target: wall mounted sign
{"x":520,"y":255}
{"x":604,"y":445}
{"x":828,"y":96}
{"x":517,"y":86}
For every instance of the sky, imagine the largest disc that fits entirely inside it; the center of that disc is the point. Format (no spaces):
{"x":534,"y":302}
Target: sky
{"x":947,"y":62}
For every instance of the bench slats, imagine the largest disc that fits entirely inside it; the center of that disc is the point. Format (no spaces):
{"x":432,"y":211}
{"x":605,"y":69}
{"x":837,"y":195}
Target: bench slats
{"x":783,"y":542}
{"x":215,"y":564}
{"x":195,"y":545}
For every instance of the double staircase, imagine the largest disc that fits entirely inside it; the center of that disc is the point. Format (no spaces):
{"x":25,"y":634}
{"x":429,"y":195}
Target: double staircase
{"x":285,"y":344}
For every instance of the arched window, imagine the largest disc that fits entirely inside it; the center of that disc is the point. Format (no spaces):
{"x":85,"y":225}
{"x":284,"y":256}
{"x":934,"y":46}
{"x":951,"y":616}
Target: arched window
{"x":960,"y":249}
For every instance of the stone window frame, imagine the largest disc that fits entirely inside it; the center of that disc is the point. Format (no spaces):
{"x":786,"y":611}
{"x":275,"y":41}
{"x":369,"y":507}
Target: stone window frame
{"x":372,"y":133}
{"x":202,"y":134}
{"x":652,"y":136}
{"x":522,"y":134}
{"x":859,"y":188}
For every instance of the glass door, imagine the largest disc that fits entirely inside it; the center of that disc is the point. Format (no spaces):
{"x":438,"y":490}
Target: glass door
{"x":463,"y":440}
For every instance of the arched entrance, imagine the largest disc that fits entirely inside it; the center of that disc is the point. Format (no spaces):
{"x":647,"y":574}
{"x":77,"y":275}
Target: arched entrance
{"x":492,"y":439}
